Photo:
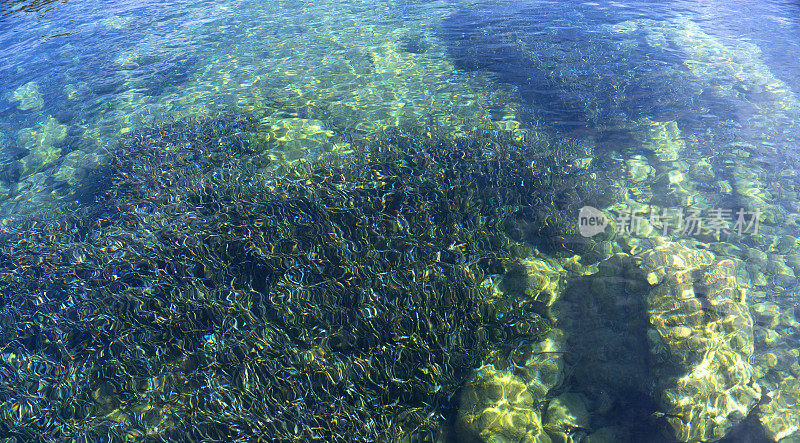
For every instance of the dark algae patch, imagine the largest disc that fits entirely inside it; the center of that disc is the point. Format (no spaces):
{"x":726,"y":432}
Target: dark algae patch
{"x":199,"y":297}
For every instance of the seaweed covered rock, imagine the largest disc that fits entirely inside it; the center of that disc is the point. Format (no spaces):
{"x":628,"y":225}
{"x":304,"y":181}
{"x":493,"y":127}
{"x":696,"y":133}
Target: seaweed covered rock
{"x":701,"y":340}
{"x":521,"y":297}
{"x":497,"y":407}
{"x":505,"y":400}
{"x":202,"y":296}
{"x":539,"y":279}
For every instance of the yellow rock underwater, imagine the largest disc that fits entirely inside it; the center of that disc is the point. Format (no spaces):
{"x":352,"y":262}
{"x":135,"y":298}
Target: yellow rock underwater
{"x":496,"y":406}
{"x":701,"y":340}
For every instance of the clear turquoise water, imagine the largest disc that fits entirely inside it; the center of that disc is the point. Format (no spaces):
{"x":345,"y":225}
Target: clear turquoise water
{"x":692,"y":105}
{"x":102,"y":70}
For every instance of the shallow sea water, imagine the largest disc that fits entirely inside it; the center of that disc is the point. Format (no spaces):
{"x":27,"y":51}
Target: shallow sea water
{"x":673,"y":126}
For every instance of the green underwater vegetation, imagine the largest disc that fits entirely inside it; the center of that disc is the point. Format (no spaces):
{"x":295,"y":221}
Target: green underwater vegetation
{"x":202,"y":294}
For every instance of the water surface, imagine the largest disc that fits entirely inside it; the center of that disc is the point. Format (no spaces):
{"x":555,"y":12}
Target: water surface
{"x":688,"y":111}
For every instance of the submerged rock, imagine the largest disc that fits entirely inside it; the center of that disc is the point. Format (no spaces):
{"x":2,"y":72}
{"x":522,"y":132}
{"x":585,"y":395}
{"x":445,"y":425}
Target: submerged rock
{"x":777,"y":367}
{"x":497,"y":407}
{"x":780,"y":416}
{"x":638,"y":169}
{"x":662,"y":138}
{"x":701,"y":340}
{"x":543,"y":363}
{"x":527,"y":373}
{"x":565,"y":413}
{"x":537,"y":280}
{"x":28,"y":96}
{"x":43,"y":143}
